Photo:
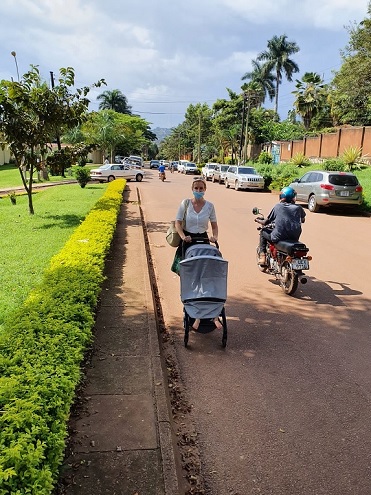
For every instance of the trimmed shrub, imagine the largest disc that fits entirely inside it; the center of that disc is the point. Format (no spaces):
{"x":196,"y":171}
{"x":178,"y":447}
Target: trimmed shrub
{"x":333,"y":164}
{"x":41,"y":349}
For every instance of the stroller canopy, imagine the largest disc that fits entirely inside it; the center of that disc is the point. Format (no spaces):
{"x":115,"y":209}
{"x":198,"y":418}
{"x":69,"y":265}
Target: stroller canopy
{"x":203,"y":281}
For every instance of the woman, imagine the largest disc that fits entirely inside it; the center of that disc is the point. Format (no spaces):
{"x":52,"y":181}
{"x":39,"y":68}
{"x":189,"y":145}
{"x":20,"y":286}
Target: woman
{"x":196,"y":213}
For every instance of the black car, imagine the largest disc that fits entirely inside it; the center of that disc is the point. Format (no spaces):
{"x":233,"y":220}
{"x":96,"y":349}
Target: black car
{"x":154,"y":163}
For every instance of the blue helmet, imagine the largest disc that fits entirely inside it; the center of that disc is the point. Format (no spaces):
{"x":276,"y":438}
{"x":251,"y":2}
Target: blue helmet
{"x":288,"y":194}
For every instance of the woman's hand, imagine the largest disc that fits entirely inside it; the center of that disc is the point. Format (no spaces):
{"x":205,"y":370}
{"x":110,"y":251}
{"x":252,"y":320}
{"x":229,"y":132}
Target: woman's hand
{"x":187,"y":238}
{"x":213,"y":239}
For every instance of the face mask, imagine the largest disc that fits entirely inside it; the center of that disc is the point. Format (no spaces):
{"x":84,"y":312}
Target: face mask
{"x":198,"y":195}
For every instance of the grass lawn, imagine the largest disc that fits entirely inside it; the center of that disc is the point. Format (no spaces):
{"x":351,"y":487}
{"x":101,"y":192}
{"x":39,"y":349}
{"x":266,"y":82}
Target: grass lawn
{"x":28,"y":242}
{"x":10,"y":176}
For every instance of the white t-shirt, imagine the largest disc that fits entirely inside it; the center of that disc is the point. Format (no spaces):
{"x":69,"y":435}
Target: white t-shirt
{"x":196,"y":223}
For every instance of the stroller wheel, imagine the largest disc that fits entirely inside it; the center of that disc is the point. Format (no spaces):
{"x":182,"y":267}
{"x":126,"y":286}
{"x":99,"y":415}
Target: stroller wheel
{"x":186,"y":328}
{"x":225,"y":331}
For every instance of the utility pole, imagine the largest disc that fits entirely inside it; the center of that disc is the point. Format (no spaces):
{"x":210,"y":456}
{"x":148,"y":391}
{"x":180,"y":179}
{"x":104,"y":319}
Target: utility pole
{"x":199,"y":138}
{"x":57,"y":136}
{"x":242,"y":128}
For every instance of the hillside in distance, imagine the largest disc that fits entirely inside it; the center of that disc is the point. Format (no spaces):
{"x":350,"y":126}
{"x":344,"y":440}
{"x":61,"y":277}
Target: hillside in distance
{"x":161,"y":133}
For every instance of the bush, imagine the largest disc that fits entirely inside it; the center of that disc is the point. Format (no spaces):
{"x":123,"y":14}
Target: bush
{"x":82,"y":175}
{"x":333,"y":164}
{"x":283,"y":175}
{"x":265,"y":157}
{"x":300,"y":160}
{"x":42,"y":346}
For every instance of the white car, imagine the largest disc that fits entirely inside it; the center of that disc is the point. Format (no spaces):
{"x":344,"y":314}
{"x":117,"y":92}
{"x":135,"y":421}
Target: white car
{"x":191,"y":168}
{"x":243,"y":178}
{"x":113,"y":171}
{"x":181,"y":165}
{"x":208,"y":170}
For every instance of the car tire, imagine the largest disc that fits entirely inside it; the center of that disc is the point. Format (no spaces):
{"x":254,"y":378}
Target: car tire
{"x":139,"y":177}
{"x":312,"y":204}
{"x":226,"y":184}
{"x":110,"y":178}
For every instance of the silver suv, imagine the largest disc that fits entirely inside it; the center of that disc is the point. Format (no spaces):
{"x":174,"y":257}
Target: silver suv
{"x":219,"y":173}
{"x":207,"y":170}
{"x":318,"y":188}
{"x":243,"y":178}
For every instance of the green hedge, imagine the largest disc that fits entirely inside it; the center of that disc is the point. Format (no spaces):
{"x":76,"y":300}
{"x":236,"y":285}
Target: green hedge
{"x":41,"y":349}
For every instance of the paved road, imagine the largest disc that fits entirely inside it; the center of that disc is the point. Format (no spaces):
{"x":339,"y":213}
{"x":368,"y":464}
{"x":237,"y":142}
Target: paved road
{"x":285,"y":408}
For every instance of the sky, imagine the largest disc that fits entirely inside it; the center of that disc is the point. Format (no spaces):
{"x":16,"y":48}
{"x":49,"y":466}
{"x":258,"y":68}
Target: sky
{"x":164,"y":55}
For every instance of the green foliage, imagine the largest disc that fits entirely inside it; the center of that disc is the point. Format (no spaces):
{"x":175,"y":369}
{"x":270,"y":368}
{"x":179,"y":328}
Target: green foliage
{"x":300,"y":160}
{"x":350,"y":97}
{"x":42,"y":346}
{"x":82,"y":175}
{"x":265,"y":157}
{"x":351,"y":156}
{"x":282,"y":175}
{"x":333,"y":164}
{"x":32,"y":114}
{"x":267,"y":171}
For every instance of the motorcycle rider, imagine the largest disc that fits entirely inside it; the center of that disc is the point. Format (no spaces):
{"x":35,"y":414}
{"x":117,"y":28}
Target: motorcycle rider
{"x":161,"y":170}
{"x":286,"y":217}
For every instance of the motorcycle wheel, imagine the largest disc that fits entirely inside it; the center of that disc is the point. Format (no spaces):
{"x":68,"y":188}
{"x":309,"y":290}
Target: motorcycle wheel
{"x":289,"y":279}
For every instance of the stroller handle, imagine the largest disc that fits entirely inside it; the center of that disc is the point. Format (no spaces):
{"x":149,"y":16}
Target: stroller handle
{"x":199,"y":240}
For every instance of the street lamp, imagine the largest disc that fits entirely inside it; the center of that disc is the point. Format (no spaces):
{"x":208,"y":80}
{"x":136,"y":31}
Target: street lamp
{"x":15,"y":60}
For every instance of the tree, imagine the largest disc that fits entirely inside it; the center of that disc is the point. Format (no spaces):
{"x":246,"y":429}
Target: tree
{"x":32,"y":114}
{"x":263,"y":77}
{"x":114,"y":100}
{"x":311,"y":96}
{"x":277,"y":59}
{"x":350,"y":94}
{"x":110,"y":131}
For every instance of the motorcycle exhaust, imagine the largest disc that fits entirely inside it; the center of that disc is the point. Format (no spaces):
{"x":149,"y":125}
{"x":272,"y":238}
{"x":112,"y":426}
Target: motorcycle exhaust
{"x":303,"y":280}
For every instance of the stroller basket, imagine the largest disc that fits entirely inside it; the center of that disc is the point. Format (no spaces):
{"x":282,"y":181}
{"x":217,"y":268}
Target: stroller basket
{"x":203,"y":281}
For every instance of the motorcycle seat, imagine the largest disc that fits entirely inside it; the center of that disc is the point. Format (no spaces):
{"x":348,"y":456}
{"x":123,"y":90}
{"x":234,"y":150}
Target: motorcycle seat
{"x":290,"y":246}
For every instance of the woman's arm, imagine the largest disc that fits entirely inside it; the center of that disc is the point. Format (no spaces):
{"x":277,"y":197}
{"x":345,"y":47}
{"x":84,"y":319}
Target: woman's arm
{"x":215,"y":230}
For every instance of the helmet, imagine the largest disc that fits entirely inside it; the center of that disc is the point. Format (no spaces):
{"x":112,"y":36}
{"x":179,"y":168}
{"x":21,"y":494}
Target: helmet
{"x":288,"y":194}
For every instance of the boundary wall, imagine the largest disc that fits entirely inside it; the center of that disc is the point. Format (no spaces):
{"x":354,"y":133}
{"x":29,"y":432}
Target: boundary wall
{"x":329,"y":145}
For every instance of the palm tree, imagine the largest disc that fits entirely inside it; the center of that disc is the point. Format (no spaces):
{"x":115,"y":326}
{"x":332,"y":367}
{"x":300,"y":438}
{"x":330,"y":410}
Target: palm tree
{"x":311,"y":96}
{"x":114,"y":100}
{"x":263,"y":77}
{"x":277,"y":58}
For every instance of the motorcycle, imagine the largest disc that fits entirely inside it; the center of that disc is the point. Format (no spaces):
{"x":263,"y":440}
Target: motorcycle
{"x":162,"y":176}
{"x":286,"y":260}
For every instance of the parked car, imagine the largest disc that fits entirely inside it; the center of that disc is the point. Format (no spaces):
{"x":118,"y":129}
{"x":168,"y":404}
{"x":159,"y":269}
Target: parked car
{"x":219,"y":173}
{"x":181,"y":164}
{"x":113,"y":171}
{"x":134,"y":160}
{"x":119,"y":158}
{"x":208,"y":170}
{"x":165,"y":163}
{"x":318,"y":188}
{"x":191,"y":168}
{"x":154,"y":163}
{"x":243,"y":178}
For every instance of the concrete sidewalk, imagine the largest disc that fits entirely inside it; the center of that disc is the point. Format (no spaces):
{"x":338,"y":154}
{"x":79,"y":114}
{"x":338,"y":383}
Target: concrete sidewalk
{"x":121,"y":441}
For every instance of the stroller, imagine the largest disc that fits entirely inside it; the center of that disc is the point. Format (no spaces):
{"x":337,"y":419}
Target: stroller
{"x":203,"y":288}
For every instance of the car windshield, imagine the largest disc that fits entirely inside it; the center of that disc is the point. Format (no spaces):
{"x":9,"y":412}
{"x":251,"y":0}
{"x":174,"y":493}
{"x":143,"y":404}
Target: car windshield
{"x":247,"y":170}
{"x":343,"y":180}
{"x":190,"y":165}
{"x":224,"y":168}
{"x":104,"y":167}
